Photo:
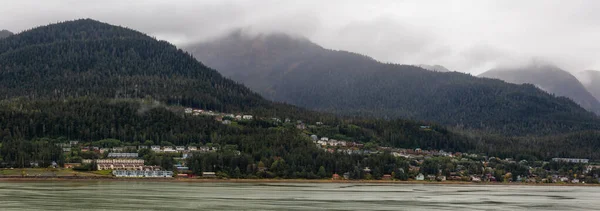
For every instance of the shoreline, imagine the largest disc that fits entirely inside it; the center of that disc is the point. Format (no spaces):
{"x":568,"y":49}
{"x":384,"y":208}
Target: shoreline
{"x":296,"y":181}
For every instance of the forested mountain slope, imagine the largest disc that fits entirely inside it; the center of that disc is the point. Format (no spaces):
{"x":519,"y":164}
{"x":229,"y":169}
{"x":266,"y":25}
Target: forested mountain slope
{"x":94,"y":59}
{"x":549,"y":78}
{"x":297,"y":71}
{"x":76,"y":79}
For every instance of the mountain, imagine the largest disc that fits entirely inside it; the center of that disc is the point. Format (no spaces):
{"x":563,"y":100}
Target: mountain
{"x":95,"y":59}
{"x":549,"y":78}
{"x":5,"y":34}
{"x":591,"y":81}
{"x":436,"y":68}
{"x":84,"y":79}
{"x":296,"y":71}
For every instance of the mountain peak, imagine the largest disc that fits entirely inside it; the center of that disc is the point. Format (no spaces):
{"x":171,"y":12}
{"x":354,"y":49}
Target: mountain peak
{"x":435,"y":68}
{"x":5,"y":33}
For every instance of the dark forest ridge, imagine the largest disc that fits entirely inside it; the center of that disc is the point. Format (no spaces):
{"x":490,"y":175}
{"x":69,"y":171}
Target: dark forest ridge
{"x":297,"y":71}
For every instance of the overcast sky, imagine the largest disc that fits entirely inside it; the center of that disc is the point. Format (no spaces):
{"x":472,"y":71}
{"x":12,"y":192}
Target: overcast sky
{"x":463,"y":35}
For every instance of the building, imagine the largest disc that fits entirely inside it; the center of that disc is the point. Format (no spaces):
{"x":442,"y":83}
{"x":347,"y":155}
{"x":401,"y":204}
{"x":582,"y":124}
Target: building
{"x":209,"y":174}
{"x":247,"y":117}
{"x":420,"y":177}
{"x":180,"y":148}
{"x":188,"y":110}
{"x":192,"y":148}
{"x":71,"y":165}
{"x":155,"y":148}
{"x":122,"y":155}
{"x":141,"y":173}
{"x":226,"y":122}
{"x":335,"y":177}
{"x":386,"y":177}
{"x":571,"y":160}
{"x":168,"y":149}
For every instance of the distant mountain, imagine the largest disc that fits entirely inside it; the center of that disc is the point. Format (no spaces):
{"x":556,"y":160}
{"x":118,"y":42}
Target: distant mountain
{"x":551,"y":79}
{"x":297,"y":71}
{"x":5,"y":34}
{"x":591,"y":81}
{"x":436,"y":68}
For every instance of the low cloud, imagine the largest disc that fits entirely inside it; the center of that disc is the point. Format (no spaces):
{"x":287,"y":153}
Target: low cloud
{"x":463,"y":35}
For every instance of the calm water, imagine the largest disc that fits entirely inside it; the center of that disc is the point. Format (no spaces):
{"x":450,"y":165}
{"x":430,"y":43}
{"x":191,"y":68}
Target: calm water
{"x":114,"y":195}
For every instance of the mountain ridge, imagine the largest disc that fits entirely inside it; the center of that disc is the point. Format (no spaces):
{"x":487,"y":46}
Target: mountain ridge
{"x":549,"y":78}
{"x":342,"y":82}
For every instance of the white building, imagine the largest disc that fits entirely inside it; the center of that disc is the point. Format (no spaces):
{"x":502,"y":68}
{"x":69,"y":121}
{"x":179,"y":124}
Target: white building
{"x":188,"y":110}
{"x":571,"y":160}
{"x":141,"y":173}
{"x":247,"y":117}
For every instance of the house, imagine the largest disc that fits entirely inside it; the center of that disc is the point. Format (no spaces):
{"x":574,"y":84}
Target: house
{"x":226,"y":122}
{"x":441,"y":178}
{"x":122,"y":155}
{"x":324,"y":139}
{"x":66,"y":149}
{"x":346,"y":175}
{"x":72,"y":143}
{"x":180,"y":148}
{"x":71,"y":165}
{"x":475,"y":179}
{"x":319,"y":123}
{"x":168,"y":149}
{"x":420,"y":177}
{"x":301,"y":126}
{"x":238,"y":117}
{"x":335,"y":177}
{"x":386,"y":177}
{"x":192,"y":148}
{"x":575,"y":180}
{"x":314,"y":137}
{"x":188,"y":110}
{"x":570,"y":160}
{"x":247,"y":117}
{"x":208,"y":174}
{"x":431,"y":177}
{"x":155,"y":148}
{"x":142,"y":147}
{"x":118,"y":149}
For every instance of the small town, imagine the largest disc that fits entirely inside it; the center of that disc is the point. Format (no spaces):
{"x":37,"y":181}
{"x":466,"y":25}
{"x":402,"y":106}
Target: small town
{"x":121,"y":160}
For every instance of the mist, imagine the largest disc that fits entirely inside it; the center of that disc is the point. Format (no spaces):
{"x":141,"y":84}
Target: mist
{"x":463,"y":35}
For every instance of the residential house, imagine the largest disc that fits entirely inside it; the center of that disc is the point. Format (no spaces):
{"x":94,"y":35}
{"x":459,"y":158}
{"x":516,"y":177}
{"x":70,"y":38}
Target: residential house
{"x":180,"y":148}
{"x":188,"y":110}
{"x":192,"y":148}
{"x":420,"y":177}
{"x":335,"y":177}
{"x":386,"y":177}
{"x":247,"y":117}
{"x":71,"y":165}
{"x":122,"y":155}
{"x":226,"y":122}
{"x":346,"y":175}
{"x":155,"y":148}
{"x":168,"y":149}
{"x":207,"y":174}
{"x":571,"y":160}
